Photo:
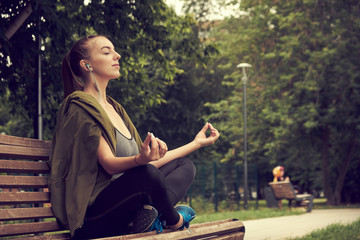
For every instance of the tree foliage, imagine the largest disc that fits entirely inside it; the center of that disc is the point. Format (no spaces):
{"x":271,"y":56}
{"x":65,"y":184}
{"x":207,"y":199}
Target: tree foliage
{"x":145,"y":33}
{"x":302,"y":94}
{"x":303,"y":90}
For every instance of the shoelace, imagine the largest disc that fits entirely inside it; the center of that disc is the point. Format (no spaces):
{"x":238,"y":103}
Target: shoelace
{"x":186,"y":224}
{"x":157,"y":226}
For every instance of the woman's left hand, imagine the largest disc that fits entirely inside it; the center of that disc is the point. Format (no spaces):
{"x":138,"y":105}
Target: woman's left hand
{"x":203,"y":140}
{"x":152,"y":149}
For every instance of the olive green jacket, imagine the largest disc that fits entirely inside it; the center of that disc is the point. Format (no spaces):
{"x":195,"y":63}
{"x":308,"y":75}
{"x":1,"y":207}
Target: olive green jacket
{"x":76,"y":176}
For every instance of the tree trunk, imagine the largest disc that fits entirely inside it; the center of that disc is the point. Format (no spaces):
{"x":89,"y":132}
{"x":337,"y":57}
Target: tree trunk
{"x":344,"y":168}
{"x":325,"y":137}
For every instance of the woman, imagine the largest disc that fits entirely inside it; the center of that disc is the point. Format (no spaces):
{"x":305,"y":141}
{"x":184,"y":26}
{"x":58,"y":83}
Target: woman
{"x":278,"y":173}
{"x":104,"y":180}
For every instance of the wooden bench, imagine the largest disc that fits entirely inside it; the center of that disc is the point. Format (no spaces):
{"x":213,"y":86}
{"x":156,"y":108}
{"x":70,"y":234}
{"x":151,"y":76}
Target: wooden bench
{"x":25,"y":210}
{"x":285,"y":190}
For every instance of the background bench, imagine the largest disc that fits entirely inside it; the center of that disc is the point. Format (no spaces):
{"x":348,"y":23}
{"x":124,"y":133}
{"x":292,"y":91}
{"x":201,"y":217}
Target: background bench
{"x":25,"y":209}
{"x":285,"y":190}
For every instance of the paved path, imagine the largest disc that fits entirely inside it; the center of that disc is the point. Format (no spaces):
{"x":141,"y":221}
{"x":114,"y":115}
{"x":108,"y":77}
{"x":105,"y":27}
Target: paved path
{"x":280,"y":228}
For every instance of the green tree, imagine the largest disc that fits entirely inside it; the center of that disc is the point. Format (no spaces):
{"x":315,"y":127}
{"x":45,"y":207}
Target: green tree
{"x":144,"y":33}
{"x":303,"y":89}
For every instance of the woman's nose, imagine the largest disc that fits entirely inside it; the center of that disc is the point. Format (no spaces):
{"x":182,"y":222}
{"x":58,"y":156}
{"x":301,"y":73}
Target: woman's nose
{"x":117,"y":56}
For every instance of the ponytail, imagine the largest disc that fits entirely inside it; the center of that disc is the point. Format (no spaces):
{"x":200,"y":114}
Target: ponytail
{"x":67,"y":76}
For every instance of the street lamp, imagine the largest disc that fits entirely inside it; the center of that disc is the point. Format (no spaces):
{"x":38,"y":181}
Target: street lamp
{"x":244,"y":79}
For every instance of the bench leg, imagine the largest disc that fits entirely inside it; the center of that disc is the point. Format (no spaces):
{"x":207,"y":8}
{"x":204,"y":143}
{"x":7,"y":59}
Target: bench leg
{"x":289,"y":204}
{"x":310,"y":205}
{"x":309,"y":202}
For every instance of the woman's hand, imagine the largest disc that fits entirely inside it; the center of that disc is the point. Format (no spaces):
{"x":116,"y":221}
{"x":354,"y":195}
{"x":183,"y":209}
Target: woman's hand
{"x":154,"y":152}
{"x":203,"y":140}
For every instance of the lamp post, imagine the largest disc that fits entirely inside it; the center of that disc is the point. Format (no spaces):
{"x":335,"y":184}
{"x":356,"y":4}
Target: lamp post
{"x":244,"y":79}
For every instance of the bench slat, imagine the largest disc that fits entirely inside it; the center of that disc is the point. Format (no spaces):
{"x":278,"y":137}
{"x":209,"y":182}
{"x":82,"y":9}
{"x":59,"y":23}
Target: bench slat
{"x":230,"y":236}
{"x":8,"y":214}
{"x":220,"y":230}
{"x":197,"y":231}
{"x":24,"y":152}
{"x":9,"y":198}
{"x":28,"y":228}
{"x":60,"y":236}
{"x":23,"y":181}
{"x":27,"y":142}
{"x":14,"y":166}
{"x":282,"y":190}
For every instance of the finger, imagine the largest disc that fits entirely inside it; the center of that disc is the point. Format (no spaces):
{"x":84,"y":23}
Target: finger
{"x":154,"y":146}
{"x":214,"y":131}
{"x":205,"y":128}
{"x":145,"y":148}
{"x":147,"y":140}
{"x":162,"y":147}
{"x":212,"y":127}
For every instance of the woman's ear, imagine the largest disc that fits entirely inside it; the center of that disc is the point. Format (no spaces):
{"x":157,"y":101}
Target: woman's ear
{"x":86,"y":66}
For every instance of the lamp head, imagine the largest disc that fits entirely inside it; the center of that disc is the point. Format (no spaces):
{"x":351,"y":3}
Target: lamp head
{"x":244,"y":65}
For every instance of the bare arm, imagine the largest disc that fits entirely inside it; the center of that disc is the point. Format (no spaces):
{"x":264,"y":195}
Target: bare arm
{"x":110,"y":163}
{"x":201,"y":140}
{"x":157,"y":154}
{"x":114,"y":165}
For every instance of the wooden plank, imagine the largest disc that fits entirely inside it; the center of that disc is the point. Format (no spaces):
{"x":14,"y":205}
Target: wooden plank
{"x":60,"y":236}
{"x":15,"y":166}
{"x":28,"y":228}
{"x":20,"y":141}
{"x":7,"y":181}
{"x":282,"y":190}
{"x":231,"y":236}
{"x":8,"y":151}
{"x":305,"y":195}
{"x":207,"y":231}
{"x":8,"y":214}
{"x":10,"y":198}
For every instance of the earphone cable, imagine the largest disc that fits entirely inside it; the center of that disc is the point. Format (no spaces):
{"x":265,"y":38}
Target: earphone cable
{"x":96,"y":86}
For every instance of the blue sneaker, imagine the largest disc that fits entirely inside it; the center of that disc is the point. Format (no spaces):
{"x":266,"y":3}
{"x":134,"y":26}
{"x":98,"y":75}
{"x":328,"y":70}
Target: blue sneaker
{"x":188,"y":215}
{"x":144,"y":220}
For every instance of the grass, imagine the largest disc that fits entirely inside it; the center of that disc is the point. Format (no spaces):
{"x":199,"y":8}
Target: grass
{"x":246,"y":215}
{"x":334,"y":231}
{"x":206,"y":213}
{"x":205,"y":210}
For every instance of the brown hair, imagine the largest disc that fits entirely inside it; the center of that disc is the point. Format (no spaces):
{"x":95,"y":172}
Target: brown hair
{"x":71,"y":69}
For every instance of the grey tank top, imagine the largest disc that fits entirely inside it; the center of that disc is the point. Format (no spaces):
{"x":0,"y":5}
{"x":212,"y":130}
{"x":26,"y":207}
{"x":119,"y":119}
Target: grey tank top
{"x":125,"y":147}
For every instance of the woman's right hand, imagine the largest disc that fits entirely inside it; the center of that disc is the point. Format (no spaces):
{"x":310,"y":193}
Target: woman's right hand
{"x":202,"y":140}
{"x":154,"y":152}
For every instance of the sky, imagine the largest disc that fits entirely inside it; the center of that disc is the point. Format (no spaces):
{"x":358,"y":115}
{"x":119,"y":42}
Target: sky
{"x":225,"y":11}
{"x":176,"y":4}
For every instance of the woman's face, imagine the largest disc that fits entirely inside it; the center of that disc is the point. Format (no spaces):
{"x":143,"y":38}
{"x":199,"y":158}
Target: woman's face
{"x":104,"y":60}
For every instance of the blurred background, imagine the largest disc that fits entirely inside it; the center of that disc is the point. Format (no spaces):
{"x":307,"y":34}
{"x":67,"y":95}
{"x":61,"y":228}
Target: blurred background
{"x":178,"y":71}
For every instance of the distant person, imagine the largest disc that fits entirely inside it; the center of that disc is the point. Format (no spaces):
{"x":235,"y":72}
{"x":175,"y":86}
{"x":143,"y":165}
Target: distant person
{"x":278,"y":173}
{"x":104,"y":179}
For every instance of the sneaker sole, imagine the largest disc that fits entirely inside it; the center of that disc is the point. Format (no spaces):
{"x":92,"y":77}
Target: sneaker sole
{"x":143,"y":219}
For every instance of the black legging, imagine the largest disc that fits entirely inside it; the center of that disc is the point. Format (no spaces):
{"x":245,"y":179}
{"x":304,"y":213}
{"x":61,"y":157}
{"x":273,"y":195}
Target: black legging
{"x":115,"y":206}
